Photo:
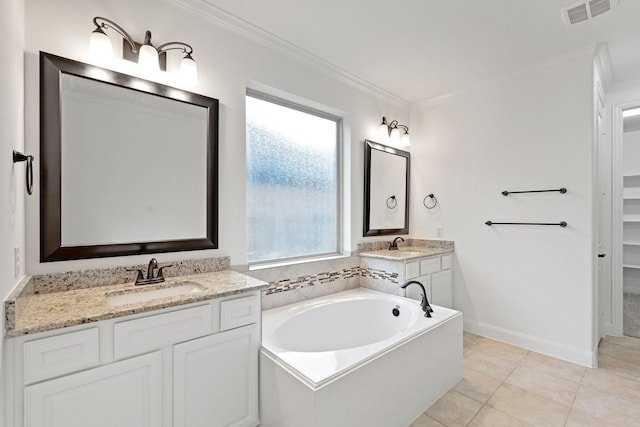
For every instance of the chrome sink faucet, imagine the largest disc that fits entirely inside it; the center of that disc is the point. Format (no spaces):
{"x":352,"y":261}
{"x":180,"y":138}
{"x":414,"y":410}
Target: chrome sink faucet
{"x":393,"y":246}
{"x":424,"y":303}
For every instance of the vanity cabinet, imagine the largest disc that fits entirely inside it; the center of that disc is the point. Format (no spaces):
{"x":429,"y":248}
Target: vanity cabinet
{"x":435,"y":274}
{"x":386,"y":272}
{"x":188,"y":366}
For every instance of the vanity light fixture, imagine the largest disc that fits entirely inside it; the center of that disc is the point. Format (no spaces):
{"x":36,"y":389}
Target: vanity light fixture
{"x":392,"y":131}
{"x":149,"y":57}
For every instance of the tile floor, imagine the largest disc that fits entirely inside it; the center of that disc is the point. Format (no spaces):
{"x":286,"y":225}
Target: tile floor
{"x":509,"y":386}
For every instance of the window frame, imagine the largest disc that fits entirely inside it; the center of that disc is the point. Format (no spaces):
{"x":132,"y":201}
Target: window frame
{"x":304,"y":106}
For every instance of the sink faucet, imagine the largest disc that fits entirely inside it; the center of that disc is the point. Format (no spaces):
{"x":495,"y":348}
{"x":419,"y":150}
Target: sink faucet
{"x":424,"y":303}
{"x":393,"y":246}
{"x":153,"y":265}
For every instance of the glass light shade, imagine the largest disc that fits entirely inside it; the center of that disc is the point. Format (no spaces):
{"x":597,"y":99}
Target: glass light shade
{"x":100,"y":49}
{"x":148,"y":58}
{"x":188,"y":70}
{"x":383,"y":130}
{"x":405,"y":141}
{"x":395,"y":135}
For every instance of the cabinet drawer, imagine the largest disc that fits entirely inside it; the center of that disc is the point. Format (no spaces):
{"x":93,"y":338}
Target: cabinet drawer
{"x":429,"y":265}
{"x":49,"y":357}
{"x":412,"y":270}
{"x":446,"y":262}
{"x":238,"y":312}
{"x":153,"y":332}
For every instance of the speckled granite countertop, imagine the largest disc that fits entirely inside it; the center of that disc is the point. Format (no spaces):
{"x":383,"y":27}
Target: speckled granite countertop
{"x":406,"y":253}
{"x":54,"y":310}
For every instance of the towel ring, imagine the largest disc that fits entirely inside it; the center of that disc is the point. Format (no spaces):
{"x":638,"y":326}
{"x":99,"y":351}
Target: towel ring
{"x":433,"y":202}
{"x":19,"y":157}
{"x":392,"y":202}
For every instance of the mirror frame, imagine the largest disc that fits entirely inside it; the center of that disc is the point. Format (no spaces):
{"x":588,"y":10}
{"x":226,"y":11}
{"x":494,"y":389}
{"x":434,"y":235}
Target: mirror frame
{"x":51,"y":69}
{"x":367,"y":231}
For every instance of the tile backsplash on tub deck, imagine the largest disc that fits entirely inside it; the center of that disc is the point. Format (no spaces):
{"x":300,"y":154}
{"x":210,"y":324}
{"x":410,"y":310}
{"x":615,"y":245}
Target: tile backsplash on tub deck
{"x":298,"y":282}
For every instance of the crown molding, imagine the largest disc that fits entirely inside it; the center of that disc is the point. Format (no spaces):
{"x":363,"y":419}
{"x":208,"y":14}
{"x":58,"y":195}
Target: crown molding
{"x":223,"y":19}
{"x":585,"y":51}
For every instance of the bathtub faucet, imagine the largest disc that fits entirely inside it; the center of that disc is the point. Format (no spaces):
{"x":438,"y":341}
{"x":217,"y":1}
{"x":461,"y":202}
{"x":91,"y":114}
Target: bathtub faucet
{"x":424,"y":303}
{"x":393,"y":246}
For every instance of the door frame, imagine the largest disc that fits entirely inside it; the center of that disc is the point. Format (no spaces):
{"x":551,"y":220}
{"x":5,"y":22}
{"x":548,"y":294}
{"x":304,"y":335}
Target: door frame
{"x":617,"y":183}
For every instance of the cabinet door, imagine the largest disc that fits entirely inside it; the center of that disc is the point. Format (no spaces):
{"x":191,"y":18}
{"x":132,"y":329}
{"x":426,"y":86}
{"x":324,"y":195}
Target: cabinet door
{"x":122,"y":394}
{"x":414,"y":291}
{"x":216,"y":380}
{"x":442,"y":288}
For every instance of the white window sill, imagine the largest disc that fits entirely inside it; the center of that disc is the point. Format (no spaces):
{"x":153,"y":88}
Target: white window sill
{"x":262,"y":266}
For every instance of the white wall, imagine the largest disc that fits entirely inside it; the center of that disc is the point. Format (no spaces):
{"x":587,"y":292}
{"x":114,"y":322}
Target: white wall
{"x":12,"y":187}
{"x":631,"y":150}
{"x":226,"y":62}
{"x":531,"y":286}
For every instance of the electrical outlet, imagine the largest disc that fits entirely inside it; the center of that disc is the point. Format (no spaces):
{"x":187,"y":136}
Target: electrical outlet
{"x":16,"y":261}
{"x":439,"y":231}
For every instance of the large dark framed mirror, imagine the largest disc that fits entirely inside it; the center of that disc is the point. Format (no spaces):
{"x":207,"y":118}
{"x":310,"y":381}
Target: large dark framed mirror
{"x":127,"y":166}
{"x":386,"y":190}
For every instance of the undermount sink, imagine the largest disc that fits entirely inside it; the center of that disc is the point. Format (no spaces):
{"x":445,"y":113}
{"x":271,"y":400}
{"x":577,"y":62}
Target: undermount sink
{"x":410,"y":252}
{"x":141,"y":294}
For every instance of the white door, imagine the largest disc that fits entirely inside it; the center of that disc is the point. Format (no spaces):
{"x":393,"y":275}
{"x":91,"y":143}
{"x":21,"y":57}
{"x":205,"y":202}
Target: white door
{"x":216,"y":380}
{"x":122,"y":394}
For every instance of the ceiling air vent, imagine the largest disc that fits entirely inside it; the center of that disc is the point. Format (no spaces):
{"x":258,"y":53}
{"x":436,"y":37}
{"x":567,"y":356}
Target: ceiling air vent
{"x":585,"y":10}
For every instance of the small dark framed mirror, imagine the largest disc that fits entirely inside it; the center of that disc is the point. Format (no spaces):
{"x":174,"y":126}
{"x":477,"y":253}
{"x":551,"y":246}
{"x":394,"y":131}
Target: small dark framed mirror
{"x":386,"y":190}
{"x":127,"y":166}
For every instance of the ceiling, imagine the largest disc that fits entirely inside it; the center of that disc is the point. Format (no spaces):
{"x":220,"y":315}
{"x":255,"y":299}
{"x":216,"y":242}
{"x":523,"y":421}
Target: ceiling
{"x":423,"y":49}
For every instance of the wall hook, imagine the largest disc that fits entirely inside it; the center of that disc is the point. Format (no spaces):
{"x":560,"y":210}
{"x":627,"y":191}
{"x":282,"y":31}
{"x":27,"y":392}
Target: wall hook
{"x":20,"y":157}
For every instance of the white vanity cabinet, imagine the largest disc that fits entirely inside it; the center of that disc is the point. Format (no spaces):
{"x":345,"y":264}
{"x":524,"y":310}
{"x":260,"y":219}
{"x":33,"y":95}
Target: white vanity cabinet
{"x":190,"y":366}
{"x":435,"y":274}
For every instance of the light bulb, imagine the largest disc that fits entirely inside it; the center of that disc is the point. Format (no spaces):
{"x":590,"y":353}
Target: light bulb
{"x":395,"y":135}
{"x":148,"y":58}
{"x":383,"y":129}
{"x":405,"y":141}
{"x":188,"y":70}
{"x":100,"y":49}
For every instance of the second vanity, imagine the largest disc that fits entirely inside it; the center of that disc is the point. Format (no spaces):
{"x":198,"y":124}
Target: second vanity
{"x":385,"y":270}
{"x":89,"y":360}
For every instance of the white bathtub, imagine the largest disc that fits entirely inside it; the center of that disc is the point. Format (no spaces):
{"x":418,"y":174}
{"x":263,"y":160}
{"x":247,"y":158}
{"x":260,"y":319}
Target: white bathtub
{"x":346,"y":360}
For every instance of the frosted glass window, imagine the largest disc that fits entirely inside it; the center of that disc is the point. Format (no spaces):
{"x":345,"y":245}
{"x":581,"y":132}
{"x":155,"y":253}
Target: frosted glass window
{"x":293,"y":181}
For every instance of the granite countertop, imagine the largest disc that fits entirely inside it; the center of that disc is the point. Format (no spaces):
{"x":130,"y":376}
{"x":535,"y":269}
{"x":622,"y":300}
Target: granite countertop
{"x":54,"y":310}
{"x":407,"y":253}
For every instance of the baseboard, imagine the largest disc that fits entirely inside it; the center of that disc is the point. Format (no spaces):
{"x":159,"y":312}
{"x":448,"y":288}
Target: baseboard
{"x":550,"y":348}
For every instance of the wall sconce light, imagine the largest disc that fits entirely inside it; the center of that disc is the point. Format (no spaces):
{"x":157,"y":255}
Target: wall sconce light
{"x":392,"y":131}
{"x":149,"y":57}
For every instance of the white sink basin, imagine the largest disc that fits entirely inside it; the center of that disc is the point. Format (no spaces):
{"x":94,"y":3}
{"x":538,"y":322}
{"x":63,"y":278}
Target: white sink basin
{"x":140,"y":294}
{"x":410,"y":253}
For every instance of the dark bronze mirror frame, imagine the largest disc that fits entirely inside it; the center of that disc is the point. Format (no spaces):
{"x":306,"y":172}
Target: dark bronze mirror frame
{"x":367,"y":231}
{"x":51,"y":69}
